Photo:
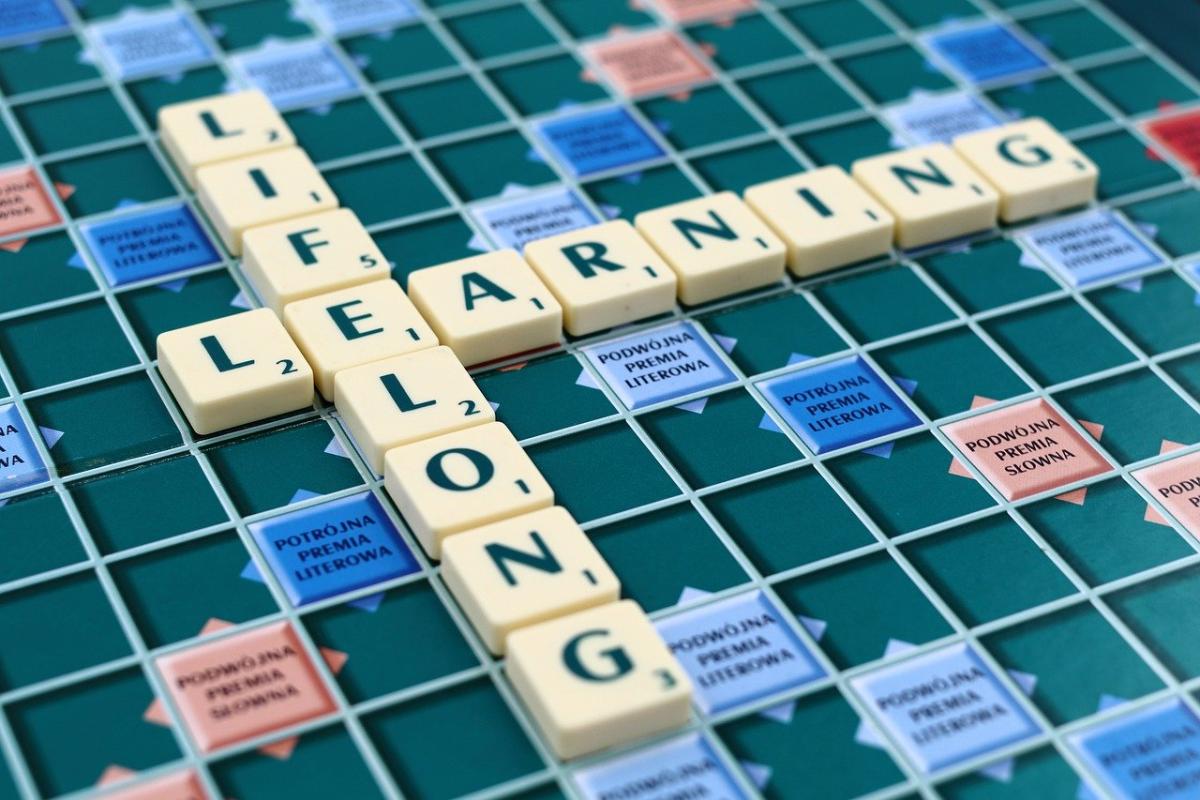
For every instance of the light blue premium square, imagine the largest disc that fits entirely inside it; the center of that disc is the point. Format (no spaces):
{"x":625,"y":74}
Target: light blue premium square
{"x":149,"y":244}
{"x":737,"y":650}
{"x":684,"y":767}
{"x":944,"y":707}
{"x":658,"y":365}
{"x":595,"y":141}
{"x":516,"y":221}
{"x":137,"y":43}
{"x":20,"y":18}
{"x":838,"y":404}
{"x":332,"y":548}
{"x":984,"y":52}
{"x":341,"y":17}
{"x":1153,"y":752}
{"x":294,"y":75}
{"x":1089,"y":247}
{"x":20,"y":464}
{"x":939,"y":118}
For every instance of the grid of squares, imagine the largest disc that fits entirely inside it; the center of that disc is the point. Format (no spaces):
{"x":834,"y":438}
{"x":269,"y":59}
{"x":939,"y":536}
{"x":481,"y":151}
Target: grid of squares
{"x":100,"y":555}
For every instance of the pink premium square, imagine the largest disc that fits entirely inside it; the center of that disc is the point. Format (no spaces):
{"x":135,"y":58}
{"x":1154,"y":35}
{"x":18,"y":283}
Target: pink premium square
{"x":24,"y":204}
{"x":1176,"y":484}
{"x":1026,"y":449}
{"x":176,"y":786}
{"x":244,"y":685}
{"x":642,"y":63}
{"x":692,"y":10}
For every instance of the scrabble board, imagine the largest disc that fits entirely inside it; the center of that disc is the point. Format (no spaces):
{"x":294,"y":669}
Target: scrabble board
{"x":865,"y":604}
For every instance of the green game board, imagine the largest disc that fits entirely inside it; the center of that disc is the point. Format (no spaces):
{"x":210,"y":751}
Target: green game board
{"x":1081,"y":610}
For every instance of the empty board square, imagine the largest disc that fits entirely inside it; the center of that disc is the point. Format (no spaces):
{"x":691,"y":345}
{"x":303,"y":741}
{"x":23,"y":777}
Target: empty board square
{"x":597,"y":140}
{"x":307,"y":460}
{"x":442,"y":107}
{"x":695,"y":436}
{"x":1168,"y":220}
{"x":150,"y":585}
{"x":114,"y":178}
{"x":700,"y":562}
{"x":633,"y":479}
{"x":52,"y":62}
{"x":425,"y":741}
{"x":1057,"y":341}
{"x":984,"y":52}
{"x":1074,"y":33}
{"x":334,"y":547}
{"x":357,"y":186}
{"x":152,"y":501}
{"x":750,"y":515}
{"x":893,"y":73}
{"x":64,"y":344}
{"x":367,"y":629}
{"x":426,"y":244}
{"x":1105,"y":534}
{"x":706,"y":115}
{"x":40,"y":269}
{"x":324,"y":763}
{"x":1034,"y":773}
{"x":583,"y":20}
{"x":60,"y":761}
{"x":842,"y":145}
{"x":773,"y":333}
{"x":1053,"y":99}
{"x":881,"y":303}
{"x":484,"y":167}
{"x":836,"y":22}
{"x":734,"y":42}
{"x":398,"y":53}
{"x":149,"y":244}
{"x":923,"y":13}
{"x":626,"y":196}
{"x":546,"y":394}
{"x":1177,"y":134}
{"x":792,"y":758}
{"x":736,"y":170}
{"x":893,"y":485}
{"x":776,"y":94}
{"x":987,"y":275}
{"x":546,"y":84}
{"x":1156,"y":612}
{"x":248,"y":24}
{"x":499,"y":31}
{"x":136,"y":422}
{"x":31,"y":18}
{"x":1077,"y":662}
{"x":837,"y":404}
{"x":1126,"y":164}
{"x":1017,"y":575}
{"x":349,"y":128}
{"x":1138,"y":85}
{"x":1186,"y":372}
{"x":152,"y":310}
{"x":56,"y":543}
{"x":64,"y":625}
{"x":52,"y":125}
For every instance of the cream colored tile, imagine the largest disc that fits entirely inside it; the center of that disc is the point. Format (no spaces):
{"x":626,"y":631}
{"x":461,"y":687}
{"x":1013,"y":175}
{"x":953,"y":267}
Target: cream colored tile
{"x":463,"y":480}
{"x":202,"y":132}
{"x":933,"y":194}
{"x":525,"y":570}
{"x":825,"y":218}
{"x":716,"y":245}
{"x":310,"y":255}
{"x":260,"y":189}
{"x":354,"y":326}
{"x":404,"y":399}
{"x":1035,"y":169}
{"x":487,"y":307}
{"x":598,"y":678}
{"x":604,"y":275}
{"x":234,"y":370}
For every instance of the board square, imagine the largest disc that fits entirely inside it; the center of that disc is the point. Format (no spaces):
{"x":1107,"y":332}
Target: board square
{"x":598,"y":140}
{"x":24,"y":203}
{"x":984,"y":52}
{"x":647,"y":63}
{"x":149,"y":244}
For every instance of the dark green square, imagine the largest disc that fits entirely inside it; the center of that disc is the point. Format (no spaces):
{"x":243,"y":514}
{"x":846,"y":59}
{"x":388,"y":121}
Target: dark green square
{"x":986,"y":276}
{"x":584,"y":18}
{"x":893,"y":73}
{"x":425,"y":244}
{"x":102,"y":181}
{"x":152,"y":310}
{"x":413,"y":613}
{"x":247,"y":24}
{"x":777,"y":93}
{"x":325,"y":763}
{"x":1038,"y":773}
{"x":1077,"y":659}
{"x":151,"y":585}
{"x":368,"y":188}
{"x":624,"y":197}
{"x":36,"y":535}
{"x":921,"y":13}
{"x":1074,"y":33}
{"x":836,"y":22}
{"x":446,"y":106}
{"x":479,"y":168}
{"x":895,"y":490}
{"x":1053,"y":99}
{"x":1126,"y":164}
{"x":865,"y":604}
{"x":988,"y":569}
{"x":622,"y":474}
{"x":1173,"y":218}
{"x":52,"y":125}
{"x":950,"y":369}
{"x":43,"y":65}
{"x":546,"y":84}
{"x":844,"y":144}
{"x":499,"y":31}
{"x":1057,"y":342}
{"x":348,"y":128}
{"x":298,"y":461}
{"x":63,"y":626}
{"x":544,"y":395}
{"x":1138,"y":85}
{"x":105,"y":422}
{"x":1159,"y":613}
{"x":427,"y":742}
{"x":149,"y":502}
{"x":635,"y":547}
{"x":1163,"y":314}
{"x":744,"y":41}
{"x":1186,"y":372}
{"x":98,"y":9}
{"x":64,"y":344}
{"x":773,"y":333}
{"x":701,"y":117}
{"x":151,"y":94}
{"x":881,"y":303}
{"x":823,"y":525}
{"x":1107,"y":537}
{"x":40,"y":271}
{"x":398,"y":53}
{"x":1138,"y":411}
{"x":734,"y":170}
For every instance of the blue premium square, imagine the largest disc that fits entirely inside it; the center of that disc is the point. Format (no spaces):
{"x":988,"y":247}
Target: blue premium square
{"x":659,"y":365}
{"x":332,"y":548}
{"x":686,"y":766}
{"x":1090,"y":247}
{"x":20,"y":18}
{"x":516,"y":221}
{"x":984,"y":52}
{"x":149,"y":244}
{"x":838,"y":404}
{"x":1149,"y":753}
{"x":598,"y":140}
{"x":340,"y":17}
{"x":20,"y":464}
